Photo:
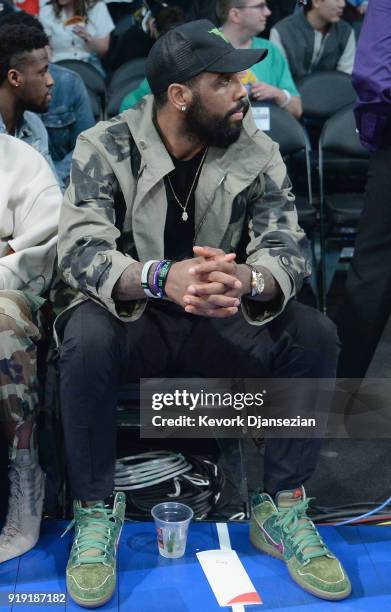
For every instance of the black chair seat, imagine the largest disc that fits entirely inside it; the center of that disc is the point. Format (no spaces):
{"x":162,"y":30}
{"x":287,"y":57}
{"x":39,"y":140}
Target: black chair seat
{"x":325,"y":93}
{"x":126,"y":72}
{"x":115,"y":98}
{"x":344,"y":209}
{"x":306,"y":213}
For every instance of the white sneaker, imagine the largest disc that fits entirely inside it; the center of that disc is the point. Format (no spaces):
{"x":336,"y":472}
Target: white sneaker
{"x":27,"y":489}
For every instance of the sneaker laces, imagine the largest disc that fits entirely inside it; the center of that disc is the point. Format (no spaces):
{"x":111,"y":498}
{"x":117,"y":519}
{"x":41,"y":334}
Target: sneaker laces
{"x":12,"y":522}
{"x":305,"y":537}
{"x":95,"y":528}
{"x":22,"y":485}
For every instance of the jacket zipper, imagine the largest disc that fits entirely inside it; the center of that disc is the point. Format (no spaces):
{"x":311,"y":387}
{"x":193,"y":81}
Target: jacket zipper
{"x":201,"y":223}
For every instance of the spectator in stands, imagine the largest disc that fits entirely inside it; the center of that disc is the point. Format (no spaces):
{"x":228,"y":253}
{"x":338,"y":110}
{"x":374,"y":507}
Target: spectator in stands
{"x":316,"y":39}
{"x":69,"y":111}
{"x":77,"y":29}
{"x":164,"y":19}
{"x":367,"y":303}
{"x":25,"y":85}
{"x":30,"y":200}
{"x":270,"y":80}
{"x":6,"y":8}
{"x":138,"y":39}
{"x":186,"y":166}
{"x":354,"y":14}
{"x":68,"y":115}
{"x":199,"y":9}
{"x":279,"y":10}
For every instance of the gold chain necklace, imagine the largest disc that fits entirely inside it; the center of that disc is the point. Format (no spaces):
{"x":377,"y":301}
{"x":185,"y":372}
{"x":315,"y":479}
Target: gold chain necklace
{"x":185,"y":215}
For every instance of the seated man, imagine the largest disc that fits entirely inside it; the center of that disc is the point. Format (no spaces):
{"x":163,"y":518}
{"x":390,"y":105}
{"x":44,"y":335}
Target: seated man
{"x":316,"y":38}
{"x":186,"y":167}
{"x":271,"y":80}
{"x":25,"y":85}
{"x":30,"y":200}
{"x":69,"y":111}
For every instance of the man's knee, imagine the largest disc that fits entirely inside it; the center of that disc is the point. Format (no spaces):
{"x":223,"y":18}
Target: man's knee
{"x":18,"y":333}
{"x":18,"y":364}
{"x":90,"y":332}
{"x":313,"y":330}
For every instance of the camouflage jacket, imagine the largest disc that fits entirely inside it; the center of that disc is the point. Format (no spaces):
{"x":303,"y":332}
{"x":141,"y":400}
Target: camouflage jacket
{"x":115,"y":207}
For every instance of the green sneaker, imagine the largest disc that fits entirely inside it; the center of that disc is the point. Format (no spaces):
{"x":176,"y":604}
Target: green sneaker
{"x":286,"y":532}
{"x":91,"y":569}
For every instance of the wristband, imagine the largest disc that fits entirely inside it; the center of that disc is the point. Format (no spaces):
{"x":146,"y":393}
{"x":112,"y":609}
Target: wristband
{"x":288,"y":98}
{"x":163,"y":274}
{"x":144,"y":278}
{"x":155,"y":283}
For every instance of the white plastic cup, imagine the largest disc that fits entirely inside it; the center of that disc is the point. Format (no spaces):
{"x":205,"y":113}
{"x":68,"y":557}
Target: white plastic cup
{"x":172,"y":521}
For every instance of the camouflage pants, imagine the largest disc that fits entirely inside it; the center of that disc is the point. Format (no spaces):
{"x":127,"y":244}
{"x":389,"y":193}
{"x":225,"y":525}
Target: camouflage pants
{"x":18,"y":358}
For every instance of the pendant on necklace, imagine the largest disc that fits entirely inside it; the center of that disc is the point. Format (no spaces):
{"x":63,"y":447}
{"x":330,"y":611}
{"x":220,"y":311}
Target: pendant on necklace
{"x":185,"y":216}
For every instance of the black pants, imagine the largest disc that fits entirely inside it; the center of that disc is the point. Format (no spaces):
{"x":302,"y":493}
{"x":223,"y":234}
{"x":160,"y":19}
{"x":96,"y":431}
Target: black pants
{"x":367,"y":303}
{"x":99,"y":353}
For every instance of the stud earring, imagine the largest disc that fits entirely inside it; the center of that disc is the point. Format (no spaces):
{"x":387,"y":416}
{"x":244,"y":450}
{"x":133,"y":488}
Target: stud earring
{"x":183,"y":109}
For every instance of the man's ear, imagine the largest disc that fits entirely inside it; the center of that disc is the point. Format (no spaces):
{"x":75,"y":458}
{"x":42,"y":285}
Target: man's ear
{"x":316,"y":3}
{"x":179,"y":96}
{"x":233,"y":15}
{"x":14,"y":77}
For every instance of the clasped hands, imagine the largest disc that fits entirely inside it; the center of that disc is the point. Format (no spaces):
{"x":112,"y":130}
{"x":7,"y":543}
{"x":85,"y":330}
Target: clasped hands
{"x":209,"y":285}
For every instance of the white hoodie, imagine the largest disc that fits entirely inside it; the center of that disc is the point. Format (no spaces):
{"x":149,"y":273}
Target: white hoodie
{"x":30,"y":201}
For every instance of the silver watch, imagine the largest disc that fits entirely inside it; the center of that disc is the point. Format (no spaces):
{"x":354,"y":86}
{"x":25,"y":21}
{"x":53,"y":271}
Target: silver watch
{"x":257,"y":282}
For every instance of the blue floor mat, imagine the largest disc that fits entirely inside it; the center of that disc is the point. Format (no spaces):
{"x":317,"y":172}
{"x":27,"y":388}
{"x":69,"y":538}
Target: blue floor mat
{"x":150,"y":583}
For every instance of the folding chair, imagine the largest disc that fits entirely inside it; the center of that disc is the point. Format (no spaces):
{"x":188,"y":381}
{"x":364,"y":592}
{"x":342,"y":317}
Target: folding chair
{"x":117,"y":95}
{"x":322,"y":95}
{"x":343,"y":165}
{"x":126,"y":73}
{"x":293,"y":142}
{"x":325,"y":93}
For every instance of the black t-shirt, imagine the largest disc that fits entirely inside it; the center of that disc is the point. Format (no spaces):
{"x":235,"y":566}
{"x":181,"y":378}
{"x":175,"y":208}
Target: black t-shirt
{"x":179,"y":234}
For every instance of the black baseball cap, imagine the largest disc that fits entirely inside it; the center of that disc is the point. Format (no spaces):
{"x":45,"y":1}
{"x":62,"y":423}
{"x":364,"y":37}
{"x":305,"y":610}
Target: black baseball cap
{"x":191,"y":48}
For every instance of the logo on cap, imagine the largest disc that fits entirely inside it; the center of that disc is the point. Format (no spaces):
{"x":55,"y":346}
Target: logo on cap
{"x":218,"y":32}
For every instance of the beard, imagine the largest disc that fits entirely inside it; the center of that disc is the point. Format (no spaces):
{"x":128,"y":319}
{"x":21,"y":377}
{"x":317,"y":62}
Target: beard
{"x":213,"y":130}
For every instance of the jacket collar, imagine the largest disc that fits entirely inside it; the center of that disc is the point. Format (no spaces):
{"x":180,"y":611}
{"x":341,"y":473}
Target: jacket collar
{"x":225,"y":173}
{"x":240,"y":162}
{"x":23,"y":130}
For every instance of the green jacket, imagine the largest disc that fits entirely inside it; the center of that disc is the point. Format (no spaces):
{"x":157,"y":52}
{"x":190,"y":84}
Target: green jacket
{"x":134,"y":96}
{"x":114,"y":209}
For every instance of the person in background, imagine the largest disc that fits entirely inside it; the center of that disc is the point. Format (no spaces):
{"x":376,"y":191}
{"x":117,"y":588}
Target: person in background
{"x":6,"y":8}
{"x":30,"y":200}
{"x":25,"y":85}
{"x":164,"y":18}
{"x":69,"y":111}
{"x":367,"y":303}
{"x":354,"y":13}
{"x":271,"y":80}
{"x":77,"y":29}
{"x":316,"y":38}
{"x":279,"y":9}
{"x":268,"y":81}
{"x":199,"y":9}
